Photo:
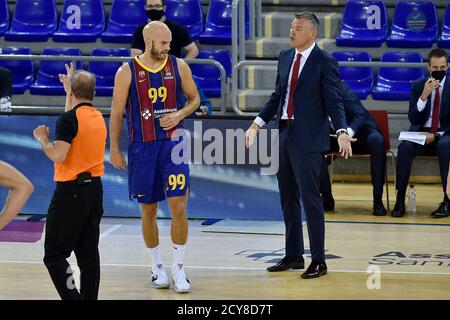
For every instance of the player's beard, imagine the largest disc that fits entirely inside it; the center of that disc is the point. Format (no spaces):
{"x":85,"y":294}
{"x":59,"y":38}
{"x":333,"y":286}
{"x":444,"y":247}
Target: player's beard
{"x":157,"y":55}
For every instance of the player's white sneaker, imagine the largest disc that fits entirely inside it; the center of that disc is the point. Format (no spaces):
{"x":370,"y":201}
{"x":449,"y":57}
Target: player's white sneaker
{"x":159,"y":277}
{"x":181,"y":283}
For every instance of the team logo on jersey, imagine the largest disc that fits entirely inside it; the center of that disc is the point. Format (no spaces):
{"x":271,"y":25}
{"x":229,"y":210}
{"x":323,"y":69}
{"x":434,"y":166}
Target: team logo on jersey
{"x":168,"y":75}
{"x":141,"y":74}
{"x":146,"y":114}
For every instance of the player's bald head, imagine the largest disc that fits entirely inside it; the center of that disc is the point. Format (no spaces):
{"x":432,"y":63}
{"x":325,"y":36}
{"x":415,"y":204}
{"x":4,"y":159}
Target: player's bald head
{"x":156,"y":31}
{"x":157,"y":38}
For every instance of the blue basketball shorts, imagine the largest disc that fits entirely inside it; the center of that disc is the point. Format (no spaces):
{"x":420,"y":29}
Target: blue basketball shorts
{"x":152,"y":175}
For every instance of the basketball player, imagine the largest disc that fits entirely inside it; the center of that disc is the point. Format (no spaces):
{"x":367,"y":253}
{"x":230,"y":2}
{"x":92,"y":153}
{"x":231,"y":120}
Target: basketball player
{"x":20,"y":190}
{"x":150,"y":87}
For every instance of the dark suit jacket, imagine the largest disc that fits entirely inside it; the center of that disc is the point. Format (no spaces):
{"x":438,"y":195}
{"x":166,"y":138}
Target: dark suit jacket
{"x":316,"y":96}
{"x":418,"y":119}
{"x":356,"y":115}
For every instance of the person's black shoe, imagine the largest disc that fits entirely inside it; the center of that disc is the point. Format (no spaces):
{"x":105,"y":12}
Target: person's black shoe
{"x":328,"y":202}
{"x":378,"y":208}
{"x":315,"y":270}
{"x":399,"y":210}
{"x":442,"y":211}
{"x":288,"y":263}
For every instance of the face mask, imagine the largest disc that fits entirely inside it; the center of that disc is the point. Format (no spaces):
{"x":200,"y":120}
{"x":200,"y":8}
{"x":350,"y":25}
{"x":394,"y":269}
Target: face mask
{"x":438,"y":75}
{"x":155,"y":15}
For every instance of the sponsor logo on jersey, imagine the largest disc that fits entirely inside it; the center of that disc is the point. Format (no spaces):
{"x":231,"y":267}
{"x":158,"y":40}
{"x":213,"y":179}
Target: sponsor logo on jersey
{"x":160,"y":113}
{"x":146,"y":114}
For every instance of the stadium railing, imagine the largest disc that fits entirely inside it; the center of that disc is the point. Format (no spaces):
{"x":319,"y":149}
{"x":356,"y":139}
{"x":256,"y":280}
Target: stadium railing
{"x":223,"y":75}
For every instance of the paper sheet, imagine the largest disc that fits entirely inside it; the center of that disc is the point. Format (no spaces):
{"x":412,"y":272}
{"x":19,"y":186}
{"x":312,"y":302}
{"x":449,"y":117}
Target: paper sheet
{"x":416,"y":137}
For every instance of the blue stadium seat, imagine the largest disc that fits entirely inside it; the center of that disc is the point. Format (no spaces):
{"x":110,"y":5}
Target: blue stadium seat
{"x":414,"y":25}
{"x":47,"y":80}
{"x":124,"y":17}
{"x":218,"y":23}
{"x":106,"y":71}
{"x":359,"y":79}
{"x":396,"y":83}
{"x":358,"y":29}
{"x":444,"y":38}
{"x":208,"y":76}
{"x":92,"y":22}
{"x":188,"y":13}
{"x":32,"y":21}
{"x":23,"y":70}
{"x":4,"y":17}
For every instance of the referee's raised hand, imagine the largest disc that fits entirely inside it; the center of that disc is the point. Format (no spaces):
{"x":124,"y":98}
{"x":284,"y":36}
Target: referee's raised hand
{"x":65,"y":78}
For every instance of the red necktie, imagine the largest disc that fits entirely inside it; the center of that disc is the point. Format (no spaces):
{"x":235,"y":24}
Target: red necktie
{"x":294,"y":77}
{"x":435,"y":116}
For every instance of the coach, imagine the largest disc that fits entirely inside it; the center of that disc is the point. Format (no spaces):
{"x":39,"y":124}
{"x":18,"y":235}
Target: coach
{"x":306,"y":94}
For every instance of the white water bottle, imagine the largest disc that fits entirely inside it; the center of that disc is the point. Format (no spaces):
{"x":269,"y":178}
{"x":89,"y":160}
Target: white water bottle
{"x":5,"y":104}
{"x":411,"y":200}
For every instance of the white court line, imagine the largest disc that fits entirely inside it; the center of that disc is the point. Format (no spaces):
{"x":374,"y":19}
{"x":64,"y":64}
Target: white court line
{"x":241,"y":268}
{"x":110,"y":230}
{"x":395,"y":272}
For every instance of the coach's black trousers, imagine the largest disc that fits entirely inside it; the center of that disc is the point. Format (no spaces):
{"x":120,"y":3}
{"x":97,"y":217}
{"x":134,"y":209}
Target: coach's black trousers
{"x":73,"y":224}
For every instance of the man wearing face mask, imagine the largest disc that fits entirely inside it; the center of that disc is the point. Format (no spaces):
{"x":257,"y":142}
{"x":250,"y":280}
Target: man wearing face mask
{"x":181,"y":39}
{"x":429,"y":111}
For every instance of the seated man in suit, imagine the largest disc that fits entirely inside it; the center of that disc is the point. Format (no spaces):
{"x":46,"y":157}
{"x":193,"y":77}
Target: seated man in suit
{"x":6,"y":77}
{"x":369,"y":140}
{"x":429,"y":111}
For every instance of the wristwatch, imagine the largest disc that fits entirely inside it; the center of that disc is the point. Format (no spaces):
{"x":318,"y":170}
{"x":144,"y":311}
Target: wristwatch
{"x":341,"y":131}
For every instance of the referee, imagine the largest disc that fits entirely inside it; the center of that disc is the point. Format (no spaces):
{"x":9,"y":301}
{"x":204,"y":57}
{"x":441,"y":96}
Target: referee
{"x":73,"y":219}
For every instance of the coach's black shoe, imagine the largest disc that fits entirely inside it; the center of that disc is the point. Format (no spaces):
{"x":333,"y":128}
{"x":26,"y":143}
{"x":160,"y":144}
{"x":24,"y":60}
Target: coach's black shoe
{"x":288,"y":263}
{"x":328,"y":202}
{"x":378,"y":208}
{"x":315,"y":270}
{"x":399,"y":210}
{"x":442,"y":211}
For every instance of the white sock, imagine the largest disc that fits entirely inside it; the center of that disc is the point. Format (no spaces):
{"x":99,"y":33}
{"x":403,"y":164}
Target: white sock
{"x":178,"y":253}
{"x":155,"y":255}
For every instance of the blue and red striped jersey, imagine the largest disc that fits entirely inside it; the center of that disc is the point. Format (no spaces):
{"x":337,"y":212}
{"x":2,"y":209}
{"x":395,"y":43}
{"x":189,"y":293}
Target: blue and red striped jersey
{"x":153,"y":93}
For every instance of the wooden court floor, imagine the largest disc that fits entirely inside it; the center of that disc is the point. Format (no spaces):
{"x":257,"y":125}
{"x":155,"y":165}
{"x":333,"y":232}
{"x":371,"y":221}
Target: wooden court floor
{"x":408,"y":258}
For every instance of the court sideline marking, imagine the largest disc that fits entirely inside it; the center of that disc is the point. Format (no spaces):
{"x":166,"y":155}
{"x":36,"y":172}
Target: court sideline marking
{"x":110,"y":230}
{"x":240,"y":268}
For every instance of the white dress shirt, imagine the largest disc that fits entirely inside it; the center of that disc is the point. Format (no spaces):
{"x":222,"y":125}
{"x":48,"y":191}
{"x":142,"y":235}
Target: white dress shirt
{"x":305,"y":54}
{"x":422,"y":104}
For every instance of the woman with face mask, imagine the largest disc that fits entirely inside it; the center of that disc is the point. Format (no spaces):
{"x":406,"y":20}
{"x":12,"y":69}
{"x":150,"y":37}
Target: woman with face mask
{"x":181,"y":39}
